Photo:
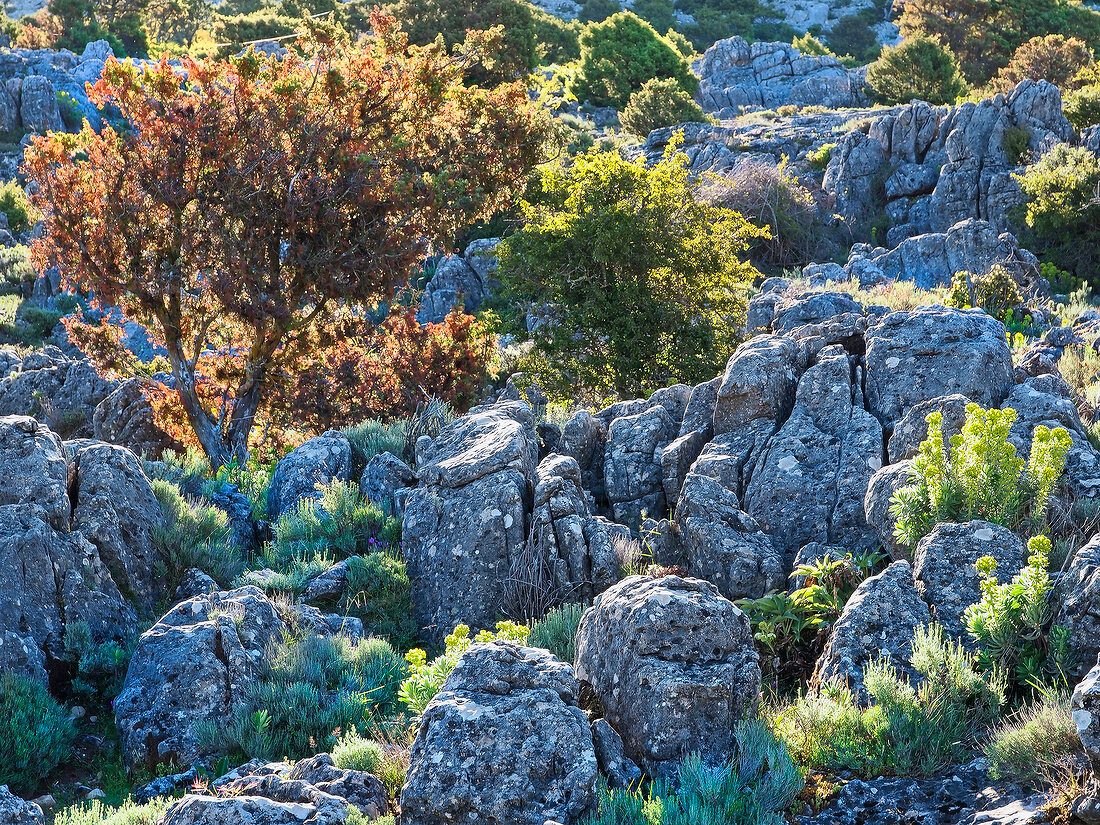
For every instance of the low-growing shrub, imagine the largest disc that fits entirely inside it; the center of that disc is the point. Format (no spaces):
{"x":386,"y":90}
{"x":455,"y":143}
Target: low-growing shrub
{"x":1082,"y":107}
{"x":558,"y":631}
{"x":660,"y":102}
{"x":980,"y":476}
{"x":995,"y":291}
{"x":819,"y":158}
{"x":426,"y":678}
{"x":1036,"y":743}
{"x":310,"y":692}
{"x":36,"y":733}
{"x":386,"y":760}
{"x":905,"y":730}
{"x":194,"y":535}
{"x":100,"y":667}
{"x":378,"y":591}
{"x":1012,"y":622}
{"x":128,"y":813}
{"x":16,"y":207}
{"x":1016,"y":143}
{"x":373,"y":437}
{"x":757,"y":786}
{"x":16,"y":269}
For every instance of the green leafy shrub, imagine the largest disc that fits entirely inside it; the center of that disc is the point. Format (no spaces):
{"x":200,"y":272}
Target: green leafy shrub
{"x":388,"y":762}
{"x":905,"y":730}
{"x":100,"y":666}
{"x":69,"y":109}
{"x":647,"y":284}
{"x":809,"y":45}
{"x":558,"y":631}
{"x":853,"y":36}
{"x":979,"y":477}
{"x":1016,"y":143}
{"x":559,"y":41}
{"x":660,"y":14}
{"x":596,"y":11}
{"x":1037,"y":742}
{"x":618,"y":56}
{"x":918,"y":68}
{"x":308,"y":693}
{"x":1055,"y":58}
{"x":772,"y":197}
{"x":1062,"y":217}
{"x":39,"y":320}
{"x":378,"y":591}
{"x":426,"y":678}
{"x":1082,"y":107}
{"x":16,"y":269}
{"x":659,"y":103}
{"x":819,"y":158}
{"x":1012,"y":622}
{"x":757,"y":786}
{"x":995,"y":292}
{"x":16,"y":207}
{"x":36,"y":733}
{"x":373,"y":437}
{"x":789,"y":628}
{"x":339,"y":525}
{"x":128,"y":813}
{"x":194,"y":535}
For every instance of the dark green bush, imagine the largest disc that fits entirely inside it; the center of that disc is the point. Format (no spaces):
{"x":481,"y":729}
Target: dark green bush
{"x":1082,"y":107}
{"x":309,"y":691}
{"x":657,"y":104}
{"x":100,"y":666}
{"x":71,"y":115}
{"x":194,"y":535}
{"x":378,"y":592}
{"x":852,"y":36}
{"x":920,"y":68}
{"x":660,"y":14}
{"x":559,"y":41}
{"x":647,"y":284}
{"x":596,"y":11}
{"x":618,"y":56}
{"x":557,"y":632}
{"x":16,"y":207}
{"x":39,"y":320}
{"x":757,"y":787}
{"x":36,"y":733}
{"x":995,"y":292}
{"x":16,"y":269}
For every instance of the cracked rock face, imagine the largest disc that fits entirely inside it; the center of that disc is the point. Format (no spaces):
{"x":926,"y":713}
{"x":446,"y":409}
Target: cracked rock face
{"x":674,"y":665}
{"x":320,"y":460}
{"x":1085,"y":709}
{"x":1078,"y":598}
{"x":192,"y":666}
{"x":503,"y":743}
{"x":466,"y":522}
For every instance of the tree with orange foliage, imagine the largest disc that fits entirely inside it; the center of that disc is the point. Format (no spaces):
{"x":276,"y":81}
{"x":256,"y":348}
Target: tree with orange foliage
{"x":243,"y":203}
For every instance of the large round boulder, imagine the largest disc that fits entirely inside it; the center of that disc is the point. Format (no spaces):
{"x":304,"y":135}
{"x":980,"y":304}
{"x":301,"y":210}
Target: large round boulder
{"x":674,"y":666}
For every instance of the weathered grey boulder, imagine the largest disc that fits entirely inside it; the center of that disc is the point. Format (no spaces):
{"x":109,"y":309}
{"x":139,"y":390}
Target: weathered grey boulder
{"x":50,"y":579}
{"x":34,"y":468}
{"x":460,"y":279}
{"x":298,"y":803}
{"x":720,"y":543}
{"x":1077,"y":596}
{"x":503,"y":743}
{"x":943,"y":567}
{"x":193,"y":666}
{"x":583,"y":438}
{"x":621,"y":772}
{"x":810,"y":483}
{"x":876,"y":505}
{"x":674,"y":666}
{"x":115,"y":509}
{"x":126,"y":417}
{"x":632,"y":471}
{"x":56,"y":389}
{"x":15,"y":811}
{"x":467,"y":521}
{"x":320,"y":460}
{"x":1085,"y":704}
{"x":932,"y":352}
{"x":734,"y":74}
{"x":878,"y":620}
{"x":912,"y":430}
{"x":38,"y":105}
{"x":759,"y":383}
{"x":383,"y":476}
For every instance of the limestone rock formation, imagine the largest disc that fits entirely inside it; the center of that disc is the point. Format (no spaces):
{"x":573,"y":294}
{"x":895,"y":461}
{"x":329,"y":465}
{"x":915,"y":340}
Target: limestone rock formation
{"x":674,"y":666}
{"x":503,"y":743}
{"x":320,"y":460}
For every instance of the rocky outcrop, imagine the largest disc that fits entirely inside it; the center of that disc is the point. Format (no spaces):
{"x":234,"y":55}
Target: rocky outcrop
{"x":674,"y":666}
{"x":319,"y":461}
{"x":467,"y":521}
{"x":912,"y":430}
{"x":460,"y":280}
{"x":383,"y":479}
{"x":15,"y":811}
{"x":503,"y":743}
{"x":116,"y":510}
{"x":55,"y":389}
{"x":932,"y":259}
{"x":1077,"y":596}
{"x":931,"y":167}
{"x":877,"y":501}
{"x":193,"y":666}
{"x":943,"y":567}
{"x":126,"y":417}
{"x":314,"y":790}
{"x":734,"y":75}
{"x":632,"y":473}
{"x":878,"y":621}
{"x":931,"y":352}
{"x":1085,"y":708}
{"x":724,"y":545}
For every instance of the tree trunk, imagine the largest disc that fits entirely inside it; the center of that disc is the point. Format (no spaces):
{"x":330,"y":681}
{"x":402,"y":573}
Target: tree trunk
{"x":206,"y":428}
